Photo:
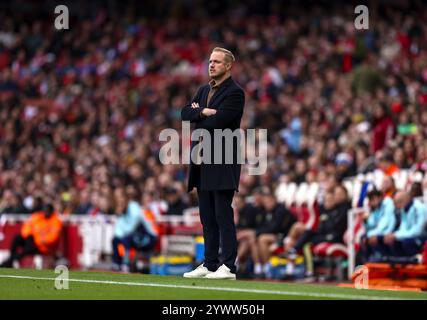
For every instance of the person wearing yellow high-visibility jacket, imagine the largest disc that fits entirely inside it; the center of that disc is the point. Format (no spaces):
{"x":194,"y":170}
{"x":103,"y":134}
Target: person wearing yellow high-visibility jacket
{"x":40,"y":234}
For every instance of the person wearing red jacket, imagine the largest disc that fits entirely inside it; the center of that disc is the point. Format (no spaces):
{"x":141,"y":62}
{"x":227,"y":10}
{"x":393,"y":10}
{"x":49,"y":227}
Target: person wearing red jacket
{"x":39,"y":235}
{"x":383,"y":128}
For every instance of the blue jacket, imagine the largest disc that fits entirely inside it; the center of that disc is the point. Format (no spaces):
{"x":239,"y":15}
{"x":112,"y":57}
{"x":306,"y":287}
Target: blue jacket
{"x":382,"y":220}
{"x":413,"y":221}
{"x":128,"y":223}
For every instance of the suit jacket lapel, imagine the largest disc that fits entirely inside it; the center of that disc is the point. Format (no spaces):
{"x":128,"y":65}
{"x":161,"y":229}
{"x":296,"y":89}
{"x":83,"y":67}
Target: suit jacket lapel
{"x":204,"y":99}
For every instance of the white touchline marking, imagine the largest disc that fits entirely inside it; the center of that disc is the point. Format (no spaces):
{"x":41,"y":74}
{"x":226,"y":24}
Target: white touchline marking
{"x":290,"y":293}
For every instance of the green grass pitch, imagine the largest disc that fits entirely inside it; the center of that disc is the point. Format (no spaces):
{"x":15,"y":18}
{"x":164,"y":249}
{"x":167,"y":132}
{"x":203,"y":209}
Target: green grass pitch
{"x":40,"y":284}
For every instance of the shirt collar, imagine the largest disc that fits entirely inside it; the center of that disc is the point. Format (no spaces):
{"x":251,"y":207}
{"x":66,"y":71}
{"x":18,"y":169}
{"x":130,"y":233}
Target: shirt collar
{"x":216,"y":84}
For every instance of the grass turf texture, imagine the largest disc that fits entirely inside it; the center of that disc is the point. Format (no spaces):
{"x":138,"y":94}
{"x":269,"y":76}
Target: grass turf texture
{"x":40,"y":284}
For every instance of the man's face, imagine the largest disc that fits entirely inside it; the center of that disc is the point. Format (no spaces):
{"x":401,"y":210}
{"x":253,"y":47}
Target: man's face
{"x":269,"y":202}
{"x":340,"y":195}
{"x":217,"y":65}
{"x":121,"y":202}
{"x":172,"y":197}
{"x":48,"y":211}
{"x":400,"y":201}
{"x":387,"y":184}
{"x":374,"y":202}
{"x":329,"y":202}
{"x":257,"y":199}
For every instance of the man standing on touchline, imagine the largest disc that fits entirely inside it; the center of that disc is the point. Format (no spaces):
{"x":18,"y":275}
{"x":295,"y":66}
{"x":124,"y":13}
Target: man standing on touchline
{"x":217,"y":105}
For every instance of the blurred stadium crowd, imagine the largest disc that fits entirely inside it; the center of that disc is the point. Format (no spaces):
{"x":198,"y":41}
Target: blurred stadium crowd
{"x":81,"y":109}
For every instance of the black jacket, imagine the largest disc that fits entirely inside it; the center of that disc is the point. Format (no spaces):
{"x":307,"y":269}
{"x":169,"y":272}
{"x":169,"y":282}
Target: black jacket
{"x":250,"y":217}
{"x":278,"y":220}
{"x":333,"y":224}
{"x":229,"y":102}
{"x":176,"y":209}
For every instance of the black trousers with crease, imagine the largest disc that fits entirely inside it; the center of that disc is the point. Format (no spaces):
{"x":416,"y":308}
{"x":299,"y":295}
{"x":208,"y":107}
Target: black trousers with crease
{"x":219,"y":230}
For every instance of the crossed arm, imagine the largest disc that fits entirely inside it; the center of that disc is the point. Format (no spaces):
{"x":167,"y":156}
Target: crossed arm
{"x":219,"y":118}
{"x":191,"y":112}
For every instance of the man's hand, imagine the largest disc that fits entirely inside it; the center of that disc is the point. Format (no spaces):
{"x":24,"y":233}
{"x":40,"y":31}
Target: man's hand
{"x":208,"y":112}
{"x":389,"y":239}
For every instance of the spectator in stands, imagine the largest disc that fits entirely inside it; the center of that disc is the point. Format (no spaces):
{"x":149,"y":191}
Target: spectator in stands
{"x":328,"y":185}
{"x":84,"y":203}
{"x":131,"y":231}
{"x":176,"y":205}
{"x":388,"y":187}
{"x":345,"y":165}
{"x":383,"y":127}
{"x":365,"y":163}
{"x":380,"y":221}
{"x":39,"y":235}
{"x":10,"y":203}
{"x":342,"y":205}
{"x":276,"y":225}
{"x":76,"y":108}
{"x":387,"y":165}
{"x":416,"y":191}
{"x":331,"y":229}
{"x":409,"y":235}
{"x":150,"y":201}
{"x":102,"y":206}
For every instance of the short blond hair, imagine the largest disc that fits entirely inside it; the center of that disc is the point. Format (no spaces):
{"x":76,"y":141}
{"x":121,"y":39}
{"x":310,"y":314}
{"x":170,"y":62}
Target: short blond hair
{"x":229,"y":57}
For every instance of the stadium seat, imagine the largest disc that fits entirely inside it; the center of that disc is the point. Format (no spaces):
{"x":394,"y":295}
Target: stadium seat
{"x":312,"y":193}
{"x":281,"y":192}
{"x":301,"y":194}
{"x":377,"y":178}
{"x":327,"y":249}
{"x":290,"y":194}
{"x":401,"y":179}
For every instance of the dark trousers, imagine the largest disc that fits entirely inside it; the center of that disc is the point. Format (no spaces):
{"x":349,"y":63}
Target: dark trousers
{"x":309,"y":236}
{"x":27,"y":247}
{"x":216,"y":215}
{"x":403,"y":248}
{"x":305,"y":238}
{"x":365,"y":251}
{"x":141,"y":242}
{"x":126,"y":242}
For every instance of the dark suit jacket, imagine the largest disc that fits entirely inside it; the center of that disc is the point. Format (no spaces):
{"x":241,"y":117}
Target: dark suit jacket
{"x":229,"y":101}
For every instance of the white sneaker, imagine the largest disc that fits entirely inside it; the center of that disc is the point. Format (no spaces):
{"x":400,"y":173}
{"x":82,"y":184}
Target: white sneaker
{"x":200,"y":272}
{"x":223,"y":272}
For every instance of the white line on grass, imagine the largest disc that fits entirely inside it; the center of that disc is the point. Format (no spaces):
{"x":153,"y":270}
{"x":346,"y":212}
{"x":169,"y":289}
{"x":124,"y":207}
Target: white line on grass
{"x":277,"y":292}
